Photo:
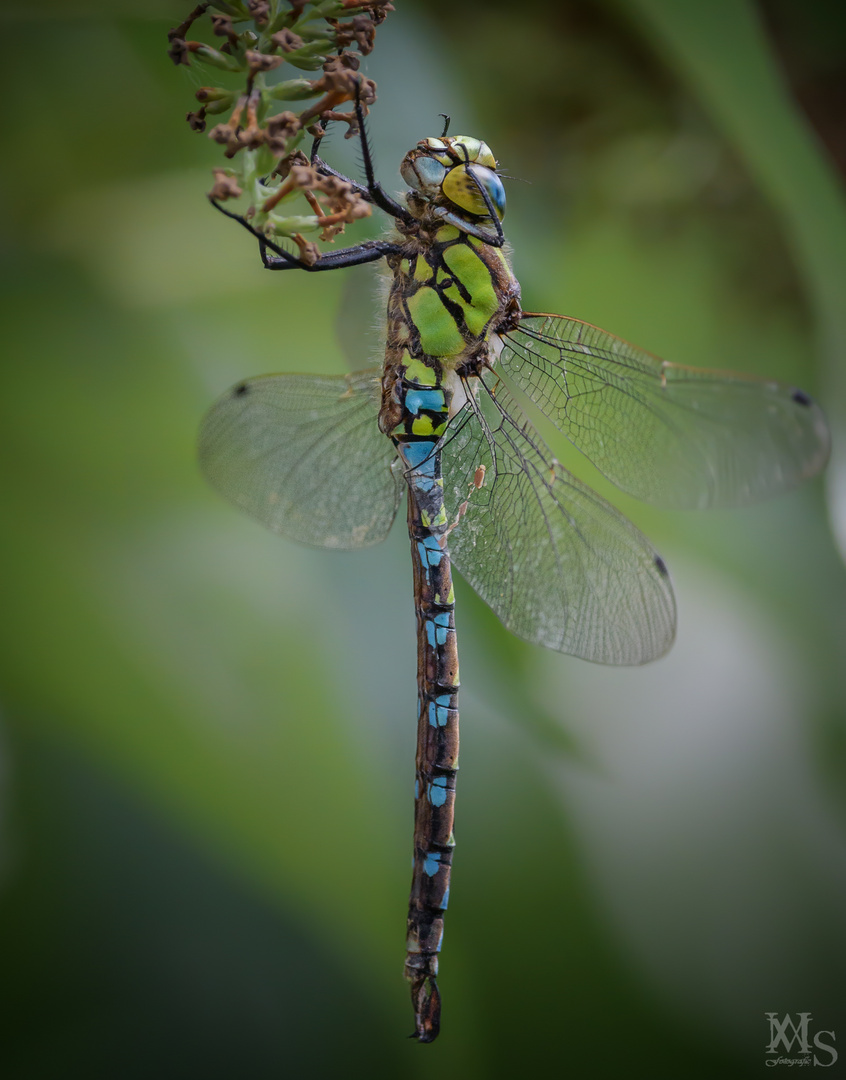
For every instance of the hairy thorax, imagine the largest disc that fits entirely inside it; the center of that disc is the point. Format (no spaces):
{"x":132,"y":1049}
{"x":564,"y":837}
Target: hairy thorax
{"x":449,"y":293}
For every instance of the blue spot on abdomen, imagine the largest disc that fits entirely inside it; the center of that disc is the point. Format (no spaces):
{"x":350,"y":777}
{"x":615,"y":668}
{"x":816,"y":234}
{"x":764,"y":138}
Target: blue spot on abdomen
{"x":432,"y":863}
{"x":415,"y":453}
{"x":438,"y":791}
{"x":438,"y":715}
{"x":417,"y":400}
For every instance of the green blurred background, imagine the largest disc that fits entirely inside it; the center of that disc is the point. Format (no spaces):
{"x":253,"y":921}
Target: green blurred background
{"x":207,"y":734}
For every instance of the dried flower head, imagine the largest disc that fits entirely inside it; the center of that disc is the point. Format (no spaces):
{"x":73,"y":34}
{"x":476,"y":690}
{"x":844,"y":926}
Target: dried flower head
{"x":269,"y":116}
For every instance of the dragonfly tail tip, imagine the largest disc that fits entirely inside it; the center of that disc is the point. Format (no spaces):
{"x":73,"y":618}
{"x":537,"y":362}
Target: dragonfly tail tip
{"x":426,"y":999}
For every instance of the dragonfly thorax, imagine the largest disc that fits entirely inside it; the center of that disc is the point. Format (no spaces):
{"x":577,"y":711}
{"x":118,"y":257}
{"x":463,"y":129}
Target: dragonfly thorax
{"x":456,"y":173}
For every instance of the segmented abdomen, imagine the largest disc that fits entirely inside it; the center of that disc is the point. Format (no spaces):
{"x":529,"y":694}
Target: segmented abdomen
{"x":425,"y":410}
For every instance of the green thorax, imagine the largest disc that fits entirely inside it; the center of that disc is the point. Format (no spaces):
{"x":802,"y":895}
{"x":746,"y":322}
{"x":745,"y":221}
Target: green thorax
{"x":447,"y":295}
{"x":450,"y":293}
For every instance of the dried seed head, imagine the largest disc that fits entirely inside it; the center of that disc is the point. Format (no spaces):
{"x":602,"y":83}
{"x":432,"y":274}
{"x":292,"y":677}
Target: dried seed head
{"x":279,"y":129}
{"x":197,"y":120}
{"x":309,"y":251}
{"x":178,"y":52}
{"x":304,"y":177}
{"x":339,"y":75}
{"x":222,"y":26}
{"x":284,"y":167}
{"x":223,"y":134}
{"x":260,"y":11}
{"x":287,"y":41}
{"x":225,"y":186}
{"x":361,"y":30}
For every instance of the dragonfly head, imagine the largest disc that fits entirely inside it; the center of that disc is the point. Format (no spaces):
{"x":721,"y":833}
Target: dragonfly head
{"x":454,"y":171}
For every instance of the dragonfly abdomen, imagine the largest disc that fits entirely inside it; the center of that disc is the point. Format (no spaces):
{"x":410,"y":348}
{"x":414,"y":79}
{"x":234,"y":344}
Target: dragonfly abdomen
{"x":424,"y":410}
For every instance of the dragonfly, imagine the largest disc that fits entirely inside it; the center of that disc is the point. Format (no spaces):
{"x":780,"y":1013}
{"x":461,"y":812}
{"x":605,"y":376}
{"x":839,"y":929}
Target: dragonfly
{"x":324,"y":460}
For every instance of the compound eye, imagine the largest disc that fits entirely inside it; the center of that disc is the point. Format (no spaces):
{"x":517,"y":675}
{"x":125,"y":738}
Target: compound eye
{"x":431,"y":172}
{"x":461,"y":186}
{"x":423,"y":174}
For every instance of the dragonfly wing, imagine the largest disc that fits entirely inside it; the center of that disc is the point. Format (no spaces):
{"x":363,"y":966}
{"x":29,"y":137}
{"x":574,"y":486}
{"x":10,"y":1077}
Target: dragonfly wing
{"x":557,"y":563}
{"x":304,"y":455}
{"x":676,"y":436}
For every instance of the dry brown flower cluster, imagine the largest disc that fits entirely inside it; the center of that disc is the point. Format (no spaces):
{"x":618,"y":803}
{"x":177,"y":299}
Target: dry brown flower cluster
{"x":269,"y":167}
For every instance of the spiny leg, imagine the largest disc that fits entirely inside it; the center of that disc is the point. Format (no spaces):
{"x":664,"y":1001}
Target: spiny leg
{"x":321,"y":166}
{"x":374,"y":188}
{"x":369,"y":251}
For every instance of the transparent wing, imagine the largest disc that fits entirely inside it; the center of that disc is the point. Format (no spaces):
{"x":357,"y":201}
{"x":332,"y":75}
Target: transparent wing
{"x":675,"y":436}
{"x":559,"y":565}
{"x":304,"y":455}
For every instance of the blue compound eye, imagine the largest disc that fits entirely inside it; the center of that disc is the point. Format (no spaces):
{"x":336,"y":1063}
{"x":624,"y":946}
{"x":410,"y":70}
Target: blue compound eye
{"x":461,"y":186}
{"x":423,"y":173}
{"x":493,"y":186}
{"x":431,"y":172}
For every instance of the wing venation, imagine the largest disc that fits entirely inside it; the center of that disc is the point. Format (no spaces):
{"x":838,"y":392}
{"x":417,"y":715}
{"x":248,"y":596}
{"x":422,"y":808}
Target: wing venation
{"x":304,"y":455}
{"x":675,"y":436}
{"x":557,"y":563}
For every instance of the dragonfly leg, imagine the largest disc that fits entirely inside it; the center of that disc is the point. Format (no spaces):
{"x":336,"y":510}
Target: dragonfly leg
{"x":369,"y":251}
{"x":377,"y":193}
{"x":326,"y":170}
{"x":373,"y":190}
